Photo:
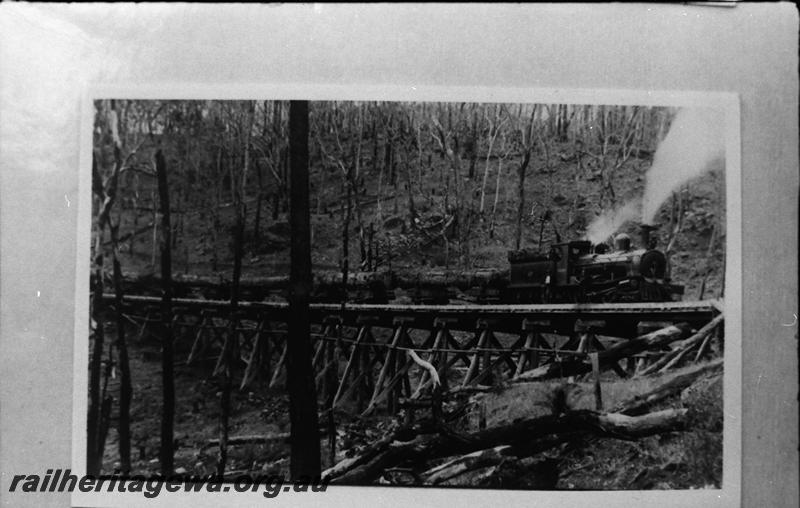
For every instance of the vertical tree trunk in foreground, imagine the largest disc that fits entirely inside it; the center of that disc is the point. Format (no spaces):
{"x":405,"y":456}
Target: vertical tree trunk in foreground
{"x":95,"y":362}
{"x":305,"y":449}
{"x":227,"y":352}
{"x":232,"y":338}
{"x":126,"y":389}
{"x":167,"y":355}
{"x":93,"y":457}
{"x":99,"y":403}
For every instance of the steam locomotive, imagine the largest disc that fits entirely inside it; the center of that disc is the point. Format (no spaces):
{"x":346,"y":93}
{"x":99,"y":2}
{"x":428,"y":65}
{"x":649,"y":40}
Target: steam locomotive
{"x":579,"y":271}
{"x":570,"y":272}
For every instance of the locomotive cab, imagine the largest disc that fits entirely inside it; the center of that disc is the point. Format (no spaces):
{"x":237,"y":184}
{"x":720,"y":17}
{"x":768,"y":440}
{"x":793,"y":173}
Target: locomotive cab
{"x":565,"y":256}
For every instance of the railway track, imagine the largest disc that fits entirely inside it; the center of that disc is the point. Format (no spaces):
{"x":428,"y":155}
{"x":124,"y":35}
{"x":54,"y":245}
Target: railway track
{"x":506,"y":317}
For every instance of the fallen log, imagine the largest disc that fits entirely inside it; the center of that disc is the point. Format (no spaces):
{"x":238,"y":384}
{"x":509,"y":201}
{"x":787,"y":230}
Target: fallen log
{"x":640,"y":403}
{"x":683,"y":346}
{"x":519,"y":433}
{"x":678,"y":357}
{"x":256,"y":439}
{"x":464,"y":463}
{"x":609,"y":357}
{"x":504,"y":471}
{"x":353,"y":462}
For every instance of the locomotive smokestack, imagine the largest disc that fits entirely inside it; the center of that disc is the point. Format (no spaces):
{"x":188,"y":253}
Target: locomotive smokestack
{"x":646,"y":229}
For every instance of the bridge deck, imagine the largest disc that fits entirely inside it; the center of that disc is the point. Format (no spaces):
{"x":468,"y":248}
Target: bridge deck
{"x":504,"y":317}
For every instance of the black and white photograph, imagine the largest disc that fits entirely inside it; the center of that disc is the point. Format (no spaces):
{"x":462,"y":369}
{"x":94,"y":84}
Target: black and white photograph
{"x":403,"y":255}
{"x":452,"y":294}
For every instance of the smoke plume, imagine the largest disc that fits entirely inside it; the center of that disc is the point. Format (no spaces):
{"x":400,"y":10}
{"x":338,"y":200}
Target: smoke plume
{"x":604,"y":226}
{"x":695,"y":144}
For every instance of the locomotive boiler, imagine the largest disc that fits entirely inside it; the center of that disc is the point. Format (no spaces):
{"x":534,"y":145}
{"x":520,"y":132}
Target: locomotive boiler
{"x":578,"y":271}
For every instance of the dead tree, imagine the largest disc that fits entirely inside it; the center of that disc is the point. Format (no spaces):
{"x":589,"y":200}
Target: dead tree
{"x":407,"y":144}
{"x":99,"y":404}
{"x":94,"y":448}
{"x":305,"y":449}
{"x":126,"y":390}
{"x":494,"y":130}
{"x":225,"y":363}
{"x":350,"y":170}
{"x":527,"y":140}
{"x":504,"y":151}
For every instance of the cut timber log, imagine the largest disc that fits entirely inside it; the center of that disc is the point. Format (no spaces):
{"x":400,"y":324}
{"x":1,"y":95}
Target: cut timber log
{"x":255,"y":439}
{"x":503,"y":470}
{"x":609,"y":357}
{"x":464,"y":463}
{"x":682,"y":347}
{"x":440,"y":279}
{"x":276,"y":282}
{"x":522,"y":433}
{"x":640,"y":404}
{"x":462,"y":280}
{"x":353,"y":462}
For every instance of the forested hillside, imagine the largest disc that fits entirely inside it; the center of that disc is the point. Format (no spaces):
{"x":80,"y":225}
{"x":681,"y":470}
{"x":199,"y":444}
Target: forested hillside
{"x":402,"y":186}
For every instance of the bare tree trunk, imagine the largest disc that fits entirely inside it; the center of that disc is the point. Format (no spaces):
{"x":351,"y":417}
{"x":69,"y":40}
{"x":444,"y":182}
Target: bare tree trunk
{"x":375,"y":145}
{"x":494,"y":129}
{"x":496,"y":193}
{"x":388,"y":156}
{"x":257,"y":224}
{"x":94,"y":458}
{"x":305,"y":449}
{"x":166,"y":454}
{"x":346,"y":237}
{"x":126,"y":390}
{"x":230,"y":344}
{"x":232,"y":338}
{"x":353,"y":183}
{"x":215,"y":212}
{"x":155,"y":231}
{"x":378,"y":205}
{"x":520,"y":210}
{"x":473,"y":154}
{"x":99,"y":405}
{"x":419,"y":159}
{"x":411,"y":209}
{"x":370,"y":247}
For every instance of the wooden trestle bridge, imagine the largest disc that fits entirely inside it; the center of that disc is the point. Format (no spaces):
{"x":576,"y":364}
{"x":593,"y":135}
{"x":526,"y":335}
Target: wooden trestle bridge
{"x":377,"y":355}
